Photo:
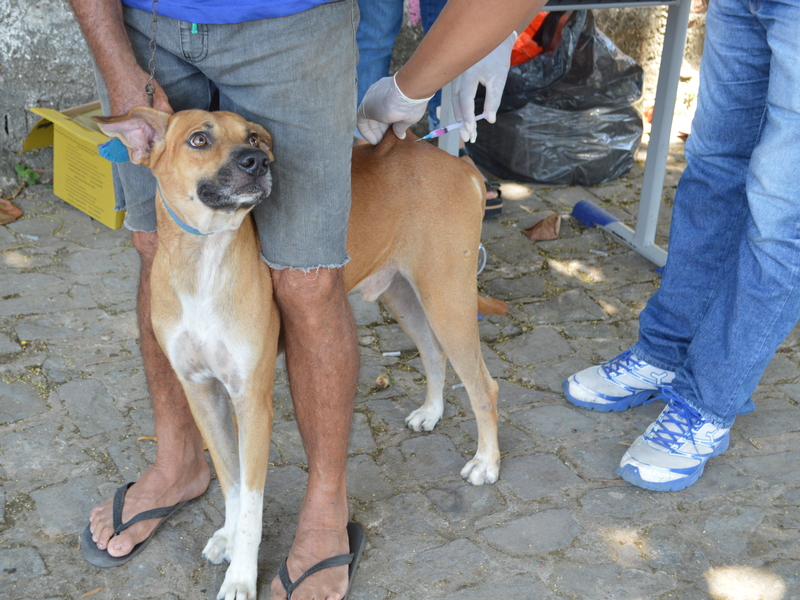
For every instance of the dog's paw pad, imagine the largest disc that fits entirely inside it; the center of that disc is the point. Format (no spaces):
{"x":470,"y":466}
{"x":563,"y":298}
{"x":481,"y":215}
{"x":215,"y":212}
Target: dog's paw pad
{"x":479,"y":471}
{"x":423,"y":419}
{"x":218,"y":549}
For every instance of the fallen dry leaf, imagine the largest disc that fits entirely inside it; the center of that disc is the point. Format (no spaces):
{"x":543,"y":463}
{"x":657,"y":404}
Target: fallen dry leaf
{"x":8,"y":212}
{"x":546,"y":229}
{"x":94,"y":591}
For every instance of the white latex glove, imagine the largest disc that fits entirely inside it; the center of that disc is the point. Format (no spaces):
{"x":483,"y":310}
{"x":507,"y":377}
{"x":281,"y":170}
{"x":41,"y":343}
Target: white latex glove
{"x":491,"y":71}
{"x":383,"y":105}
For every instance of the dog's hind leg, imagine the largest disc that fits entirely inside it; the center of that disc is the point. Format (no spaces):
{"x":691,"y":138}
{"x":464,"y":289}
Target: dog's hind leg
{"x":402,"y":301}
{"x":453,"y":319}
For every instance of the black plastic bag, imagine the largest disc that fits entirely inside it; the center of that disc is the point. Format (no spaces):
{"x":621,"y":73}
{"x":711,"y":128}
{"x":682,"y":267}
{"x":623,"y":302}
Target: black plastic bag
{"x":578,"y":129}
{"x":548,"y":145}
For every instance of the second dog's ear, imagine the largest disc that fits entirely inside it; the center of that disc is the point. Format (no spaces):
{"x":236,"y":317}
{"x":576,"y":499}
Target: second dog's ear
{"x":140,"y":130}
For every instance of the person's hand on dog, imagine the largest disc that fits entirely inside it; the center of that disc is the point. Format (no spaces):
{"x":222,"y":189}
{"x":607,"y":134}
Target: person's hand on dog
{"x":128,"y":92}
{"x":491,"y":71}
{"x":385,"y":104}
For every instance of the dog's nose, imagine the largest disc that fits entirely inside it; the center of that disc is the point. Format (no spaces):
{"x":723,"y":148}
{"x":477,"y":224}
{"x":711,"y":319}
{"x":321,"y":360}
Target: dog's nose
{"x":253,"y":161}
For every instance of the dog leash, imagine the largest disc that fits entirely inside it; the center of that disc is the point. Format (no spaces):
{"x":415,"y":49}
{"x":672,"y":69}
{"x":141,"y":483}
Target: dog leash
{"x":176,"y":218}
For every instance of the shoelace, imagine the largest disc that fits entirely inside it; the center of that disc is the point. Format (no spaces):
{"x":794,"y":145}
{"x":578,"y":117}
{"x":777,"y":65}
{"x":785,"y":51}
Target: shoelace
{"x":622,"y":362}
{"x":679,"y":414}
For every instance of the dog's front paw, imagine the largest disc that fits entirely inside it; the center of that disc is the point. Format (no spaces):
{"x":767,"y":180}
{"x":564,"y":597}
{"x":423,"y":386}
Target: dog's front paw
{"x":219,"y":547}
{"x":424,"y":419}
{"x":235,"y":588}
{"x":479,"y":471}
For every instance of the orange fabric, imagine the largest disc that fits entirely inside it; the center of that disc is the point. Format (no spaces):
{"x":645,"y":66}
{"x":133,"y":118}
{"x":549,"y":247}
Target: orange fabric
{"x":525,"y":48}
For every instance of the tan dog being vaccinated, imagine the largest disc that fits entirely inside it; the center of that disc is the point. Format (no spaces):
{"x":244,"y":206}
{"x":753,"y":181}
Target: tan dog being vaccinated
{"x":413,"y":239}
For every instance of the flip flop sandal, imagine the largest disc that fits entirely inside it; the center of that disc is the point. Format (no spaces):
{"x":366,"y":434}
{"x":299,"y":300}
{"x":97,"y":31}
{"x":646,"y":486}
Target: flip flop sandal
{"x":357,"y":541}
{"x":494,"y":206}
{"x":101,"y":558}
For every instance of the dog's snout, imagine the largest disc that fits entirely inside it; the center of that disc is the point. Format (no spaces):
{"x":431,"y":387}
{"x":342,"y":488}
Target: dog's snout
{"x":253,"y":161}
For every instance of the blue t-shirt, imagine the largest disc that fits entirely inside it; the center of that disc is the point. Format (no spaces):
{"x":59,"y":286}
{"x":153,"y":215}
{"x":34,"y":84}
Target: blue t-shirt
{"x":222,"y":11}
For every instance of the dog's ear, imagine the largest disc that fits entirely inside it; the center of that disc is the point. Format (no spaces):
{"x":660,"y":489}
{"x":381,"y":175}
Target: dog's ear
{"x":140,"y":130}
{"x":264,"y":139}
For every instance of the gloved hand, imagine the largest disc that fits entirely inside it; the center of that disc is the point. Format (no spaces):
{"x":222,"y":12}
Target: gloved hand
{"x":491,"y":71}
{"x":383,"y":105}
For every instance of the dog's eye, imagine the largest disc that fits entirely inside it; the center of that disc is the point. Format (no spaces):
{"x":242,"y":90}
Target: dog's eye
{"x":198,"y":140}
{"x":253,"y":140}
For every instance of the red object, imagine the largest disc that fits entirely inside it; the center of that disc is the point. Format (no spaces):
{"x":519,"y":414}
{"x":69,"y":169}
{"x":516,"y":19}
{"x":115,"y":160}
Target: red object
{"x":525,"y":48}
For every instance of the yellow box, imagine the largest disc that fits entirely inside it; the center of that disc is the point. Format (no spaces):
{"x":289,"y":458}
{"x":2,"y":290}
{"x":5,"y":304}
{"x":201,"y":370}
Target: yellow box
{"x":81,"y":177}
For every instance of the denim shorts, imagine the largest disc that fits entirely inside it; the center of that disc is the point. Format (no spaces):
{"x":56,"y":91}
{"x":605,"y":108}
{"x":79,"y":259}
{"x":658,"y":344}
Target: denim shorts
{"x":294,"y":75}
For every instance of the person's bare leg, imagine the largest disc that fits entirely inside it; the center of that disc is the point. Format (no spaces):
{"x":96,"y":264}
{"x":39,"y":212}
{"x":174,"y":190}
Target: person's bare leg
{"x":180,"y":471}
{"x":322,"y":364}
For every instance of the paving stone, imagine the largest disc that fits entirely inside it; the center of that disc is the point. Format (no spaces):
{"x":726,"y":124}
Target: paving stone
{"x":509,"y":438}
{"x":769,"y":422}
{"x":460,"y":502}
{"x":8,"y":346}
{"x":453,"y":565}
{"x":28,"y":293}
{"x":718,"y":480}
{"x":620,"y":502}
{"x":34,"y":227}
{"x":286,"y":437}
{"x":365,"y":481}
{"x":542,"y":533}
{"x":609,"y":582}
{"x":540,"y":345}
{"x":527,"y":286}
{"x":90,"y":407}
{"x":574,"y":305}
{"x":667,"y":548}
{"x":65,"y":508}
{"x":394,"y":339}
{"x":2,"y":504}
{"x":518,"y":587}
{"x":91,"y":262}
{"x":365,"y":313}
{"x":40,"y":454}
{"x":537,"y":476}
{"x":20,"y":563}
{"x":772,"y":468}
{"x":431,"y":456}
{"x":19,"y":401}
{"x":727,"y":532}
{"x":552,"y":421}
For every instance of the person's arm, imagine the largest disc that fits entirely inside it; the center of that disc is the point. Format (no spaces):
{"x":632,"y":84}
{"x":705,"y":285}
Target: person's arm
{"x":103,"y":27}
{"x":465,"y":32}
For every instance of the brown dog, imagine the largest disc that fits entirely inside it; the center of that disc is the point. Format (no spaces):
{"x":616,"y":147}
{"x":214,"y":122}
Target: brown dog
{"x":413,"y":239}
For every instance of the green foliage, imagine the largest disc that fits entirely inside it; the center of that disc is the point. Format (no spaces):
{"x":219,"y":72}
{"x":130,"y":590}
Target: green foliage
{"x":26,"y":175}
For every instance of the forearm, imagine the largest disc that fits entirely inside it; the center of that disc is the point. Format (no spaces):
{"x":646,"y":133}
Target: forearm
{"x":104,"y":29}
{"x":102,"y":26}
{"x":465,"y":32}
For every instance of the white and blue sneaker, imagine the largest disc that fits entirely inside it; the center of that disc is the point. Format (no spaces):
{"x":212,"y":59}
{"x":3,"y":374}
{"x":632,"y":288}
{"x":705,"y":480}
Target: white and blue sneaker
{"x":621,"y":383}
{"x":672,"y":453}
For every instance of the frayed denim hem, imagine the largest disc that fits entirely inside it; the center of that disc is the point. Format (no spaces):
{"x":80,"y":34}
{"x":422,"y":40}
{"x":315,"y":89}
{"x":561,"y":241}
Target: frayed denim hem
{"x":306,"y":270}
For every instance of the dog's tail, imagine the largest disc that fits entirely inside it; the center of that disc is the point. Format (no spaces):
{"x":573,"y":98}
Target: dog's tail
{"x":487,"y":306}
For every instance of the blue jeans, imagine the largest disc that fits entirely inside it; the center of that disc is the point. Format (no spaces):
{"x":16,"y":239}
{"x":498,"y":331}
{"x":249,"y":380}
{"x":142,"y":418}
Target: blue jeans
{"x":731,"y":287}
{"x":380,"y":23}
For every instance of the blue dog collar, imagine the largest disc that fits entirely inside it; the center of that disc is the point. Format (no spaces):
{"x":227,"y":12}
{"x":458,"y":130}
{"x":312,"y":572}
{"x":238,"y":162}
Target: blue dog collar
{"x":176,"y":218}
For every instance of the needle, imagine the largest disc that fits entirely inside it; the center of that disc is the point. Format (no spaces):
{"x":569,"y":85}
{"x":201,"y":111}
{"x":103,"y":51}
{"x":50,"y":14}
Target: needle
{"x":447,"y":129}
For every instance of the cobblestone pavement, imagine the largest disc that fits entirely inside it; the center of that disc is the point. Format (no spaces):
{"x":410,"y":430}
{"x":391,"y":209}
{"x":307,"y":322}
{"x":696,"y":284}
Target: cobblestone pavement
{"x":558,"y":523}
